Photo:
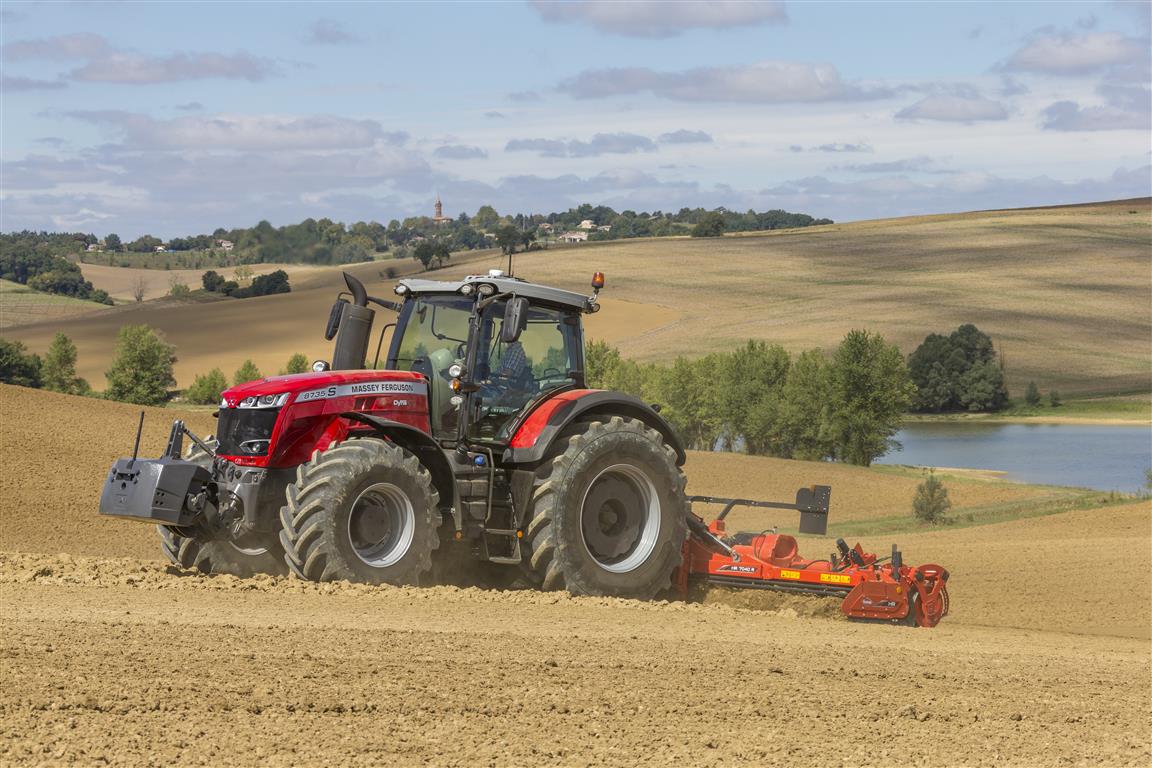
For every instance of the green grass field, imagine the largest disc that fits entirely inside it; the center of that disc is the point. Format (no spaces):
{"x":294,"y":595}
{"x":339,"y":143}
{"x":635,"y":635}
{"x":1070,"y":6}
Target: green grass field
{"x":19,"y":305}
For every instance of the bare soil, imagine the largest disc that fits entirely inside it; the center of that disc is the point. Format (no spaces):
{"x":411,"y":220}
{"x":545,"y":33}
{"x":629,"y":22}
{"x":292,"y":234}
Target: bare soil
{"x":108,"y":656}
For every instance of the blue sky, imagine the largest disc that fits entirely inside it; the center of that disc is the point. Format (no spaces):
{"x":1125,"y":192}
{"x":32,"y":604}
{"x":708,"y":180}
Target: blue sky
{"x":177,"y":118}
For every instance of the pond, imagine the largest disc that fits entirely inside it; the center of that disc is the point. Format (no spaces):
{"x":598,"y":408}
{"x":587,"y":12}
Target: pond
{"x":1105,"y":457}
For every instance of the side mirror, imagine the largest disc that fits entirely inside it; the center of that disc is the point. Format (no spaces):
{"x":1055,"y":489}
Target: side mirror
{"x":334,"y":319}
{"x":515,"y":320}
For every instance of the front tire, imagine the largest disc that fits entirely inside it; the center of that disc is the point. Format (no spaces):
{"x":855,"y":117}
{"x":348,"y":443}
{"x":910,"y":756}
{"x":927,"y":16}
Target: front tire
{"x":262,"y":554}
{"x":364,"y":510}
{"x":609,"y":513}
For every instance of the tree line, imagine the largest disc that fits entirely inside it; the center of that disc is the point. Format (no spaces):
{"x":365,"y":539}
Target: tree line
{"x":39,"y":266}
{"x":846,"y":405}
{"x":324,"y":241}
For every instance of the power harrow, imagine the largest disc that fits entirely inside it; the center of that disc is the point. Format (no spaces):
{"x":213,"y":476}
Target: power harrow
{"x":873,"y":589}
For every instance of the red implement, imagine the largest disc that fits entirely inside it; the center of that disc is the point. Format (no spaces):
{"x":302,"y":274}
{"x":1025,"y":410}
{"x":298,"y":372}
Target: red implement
{"x":872,"y":588}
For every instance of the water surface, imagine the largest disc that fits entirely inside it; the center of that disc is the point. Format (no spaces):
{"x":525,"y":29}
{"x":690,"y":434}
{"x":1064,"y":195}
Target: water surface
{"x":1103,"y":457}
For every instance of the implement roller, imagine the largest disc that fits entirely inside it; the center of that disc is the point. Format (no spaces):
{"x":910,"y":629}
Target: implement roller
{"x":873,"y":589}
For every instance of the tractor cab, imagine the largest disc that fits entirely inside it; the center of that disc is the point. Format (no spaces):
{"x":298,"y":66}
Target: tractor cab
{"x":490,"y":346}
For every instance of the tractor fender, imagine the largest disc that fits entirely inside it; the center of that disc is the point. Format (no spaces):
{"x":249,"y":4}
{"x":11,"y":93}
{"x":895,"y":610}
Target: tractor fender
{"x":423,"y":447}
{"x":538,"y":429}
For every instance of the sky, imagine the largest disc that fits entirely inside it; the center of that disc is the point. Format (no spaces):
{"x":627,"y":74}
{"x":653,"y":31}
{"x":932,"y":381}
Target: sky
{"x":177,"y":118}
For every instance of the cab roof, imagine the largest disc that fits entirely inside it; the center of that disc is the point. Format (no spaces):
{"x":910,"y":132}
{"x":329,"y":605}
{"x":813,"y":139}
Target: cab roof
{"x":504,"y":284}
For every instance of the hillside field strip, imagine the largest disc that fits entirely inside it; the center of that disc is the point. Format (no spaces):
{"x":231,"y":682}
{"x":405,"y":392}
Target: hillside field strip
{"x":1064,"y":292}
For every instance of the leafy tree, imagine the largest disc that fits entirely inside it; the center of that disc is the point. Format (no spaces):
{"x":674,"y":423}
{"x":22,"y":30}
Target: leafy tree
{"x":145,"y":244}
{"x":508,"y":237}
{"x":1032,"y":394}
{"x":982,"y":387}
{"x":298,"y":363}
{"x":112,"y":243}
{"x":599,"y":360}
{"x":58,"y":372}
{"x":931,"y":502}
{"x":273,"y":282}
{"x":870,"y":390}
{"x":206,"y":389}
{"x":141,"y":370}
{"x":710,"y":225}
{"x":245,"y":373}
{"x":957,"y":372}
{"x":1054,"y":399}
{"x":752,"y":378}
{"x":691,"y":399}
{"x":441,"y":253}
{"x":212,"y":280}
{"x":18,"y":366}
{"x":804,"y":427}
{"x":424,"y":252}
{"x":177,"y":289}
{"x":486,"y":218}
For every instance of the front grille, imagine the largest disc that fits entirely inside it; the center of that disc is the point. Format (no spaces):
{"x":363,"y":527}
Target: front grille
{"x":246,"y":431}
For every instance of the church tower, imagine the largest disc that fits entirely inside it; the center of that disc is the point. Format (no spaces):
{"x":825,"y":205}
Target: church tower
{"x":439,"y":217}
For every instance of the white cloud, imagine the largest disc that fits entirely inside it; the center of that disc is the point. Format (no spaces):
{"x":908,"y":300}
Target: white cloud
{"x":135,"y":69}
{"x":1125,"y":107}
{"x":459,"y":152}
{"x":239,"y":132}
{"x":657,"y":18}
{"x":600,"y":144}
{"x":104,"y":64}
{"x":920,"y":163}
{"x":684,"y":136}
{"x":330,"y":32}
{"x":81,"y":45}
{"x":766,"y":82}
{"x":1068,"y":53}
{"x":954,"y":108}
{"x":14,"y":84}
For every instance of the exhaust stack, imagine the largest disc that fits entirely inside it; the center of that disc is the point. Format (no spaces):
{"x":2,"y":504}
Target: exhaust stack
{"x":354,"y":327}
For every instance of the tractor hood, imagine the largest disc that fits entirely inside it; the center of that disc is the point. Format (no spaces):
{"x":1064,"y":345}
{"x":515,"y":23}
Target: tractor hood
{"x":301,"y":387}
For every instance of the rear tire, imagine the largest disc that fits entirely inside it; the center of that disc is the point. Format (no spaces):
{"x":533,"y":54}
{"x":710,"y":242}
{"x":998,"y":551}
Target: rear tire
{"x":364,"y":510}
{"x":608,"y":513}
{"x":261,"y":555}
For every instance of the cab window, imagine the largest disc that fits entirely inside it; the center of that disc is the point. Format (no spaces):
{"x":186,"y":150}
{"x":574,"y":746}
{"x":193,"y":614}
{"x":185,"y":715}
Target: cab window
{"x":511,"y":375}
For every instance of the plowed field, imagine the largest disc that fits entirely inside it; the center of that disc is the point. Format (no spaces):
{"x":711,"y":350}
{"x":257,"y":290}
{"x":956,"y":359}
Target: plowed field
{"x":108,"y":656}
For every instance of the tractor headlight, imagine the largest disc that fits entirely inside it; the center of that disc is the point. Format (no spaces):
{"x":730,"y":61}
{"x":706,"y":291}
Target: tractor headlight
{"x":400,"y":290}
{"x":467,"y":289}
{"x":455,"y":370}
{"x":486,"y":289}
{"x":320,"y":366}
{"x":265,"y":401}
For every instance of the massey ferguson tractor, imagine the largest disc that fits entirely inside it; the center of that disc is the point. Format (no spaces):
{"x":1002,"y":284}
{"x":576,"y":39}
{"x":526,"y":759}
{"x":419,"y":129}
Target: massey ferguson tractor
{"x":475,"y":448}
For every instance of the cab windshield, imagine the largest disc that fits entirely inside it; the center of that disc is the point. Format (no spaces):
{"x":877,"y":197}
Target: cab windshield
{"x":435,"y":336}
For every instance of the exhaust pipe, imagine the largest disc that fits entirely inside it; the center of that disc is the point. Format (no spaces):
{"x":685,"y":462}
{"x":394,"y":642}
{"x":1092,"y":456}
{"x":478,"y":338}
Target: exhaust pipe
{"x":354,"y":328}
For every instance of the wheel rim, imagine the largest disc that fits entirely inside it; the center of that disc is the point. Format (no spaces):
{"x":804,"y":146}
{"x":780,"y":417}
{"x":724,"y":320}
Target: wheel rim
{"x":620,"y":518}
{"x":381,"y":525}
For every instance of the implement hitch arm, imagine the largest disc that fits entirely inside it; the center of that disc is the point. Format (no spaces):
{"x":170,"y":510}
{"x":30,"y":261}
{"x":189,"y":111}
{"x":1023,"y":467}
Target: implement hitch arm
{"x":811,"y":503}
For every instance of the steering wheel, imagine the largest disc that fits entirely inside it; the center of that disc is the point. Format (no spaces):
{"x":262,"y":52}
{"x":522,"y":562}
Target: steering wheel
{"x":551,"y":373}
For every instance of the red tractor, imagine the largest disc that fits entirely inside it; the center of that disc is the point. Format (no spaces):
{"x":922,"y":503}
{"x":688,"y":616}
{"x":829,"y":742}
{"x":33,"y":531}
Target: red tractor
{"x":476,"y":442}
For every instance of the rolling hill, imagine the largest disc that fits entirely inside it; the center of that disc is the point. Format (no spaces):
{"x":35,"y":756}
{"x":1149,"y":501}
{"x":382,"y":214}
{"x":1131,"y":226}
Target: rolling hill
{"x":1065,"y":293}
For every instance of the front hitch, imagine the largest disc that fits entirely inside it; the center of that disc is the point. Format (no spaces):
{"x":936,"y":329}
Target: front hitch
{"x":167,"y":491}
